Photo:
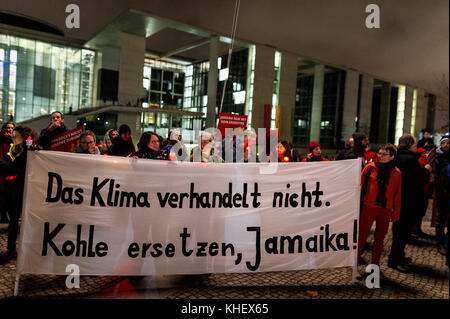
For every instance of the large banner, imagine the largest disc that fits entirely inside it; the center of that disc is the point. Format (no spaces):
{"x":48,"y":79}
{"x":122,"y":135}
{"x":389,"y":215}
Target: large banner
{"x":67,"y":141}
{"x":124,"y":216}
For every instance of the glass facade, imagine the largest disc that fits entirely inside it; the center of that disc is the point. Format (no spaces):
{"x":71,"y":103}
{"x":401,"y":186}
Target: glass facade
{"x":303,"y":109}
{"x":37,"y":78}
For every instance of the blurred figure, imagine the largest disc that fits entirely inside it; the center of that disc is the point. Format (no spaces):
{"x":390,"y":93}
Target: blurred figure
{"x":369,"y":156}
{"x":381,"y":196}
{"x":56,"y":127}
{"x":87,"y":144}
{"x":15,"y":168}
{"x":123,"y":145}
{"x":109,"y":140}
{"x":284,"y":151}
{"x":417,"y":229}
{"x":294,"y":153}
{"x":426,"y":142}
{"x":442,"y":191}
{"x":149,"y":147}
{"x":413,"y":180}
{"x":204,"y":152}
{"x":360,"y":143}
{"x":315,"y":153}
{"x":5,"y":144}
{"x":168,"y":145}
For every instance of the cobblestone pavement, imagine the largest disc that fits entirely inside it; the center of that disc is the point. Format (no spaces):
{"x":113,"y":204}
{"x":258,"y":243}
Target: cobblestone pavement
{"x":429,"y":279}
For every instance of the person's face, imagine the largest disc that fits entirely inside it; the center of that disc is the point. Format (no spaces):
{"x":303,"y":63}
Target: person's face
{"x":426,"y":135}
{"x":57,"y":119}
{"x":113,"y":135}
{"x":17,"y":138}
{"x":365,"y":142}
{"x":281,"y":149}
{"x":87,"y":142}
{"x":317,"y":152}
{"x":9,"y":130}
{"x":126,"y":136}
{"x":445,"y":145}
{"x":153,"y":143}
{"x":384,"y":156}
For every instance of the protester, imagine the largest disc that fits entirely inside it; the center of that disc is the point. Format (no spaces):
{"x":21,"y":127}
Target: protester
{"x":413,"y":180}
{"x":442,"y":191}
{"x":294,"y":153}
{"x":149,"y":147}
{"x":15,"y":169}
{"x":5,"y":144}
{"x":369,"y":156}
{"x":381,"y":196}
{"x":174,"y":139}
{"x":426,"y":142}
{"x":284,"y":151}
{"x":360,"y":143}
{"x":315,"y":153}
{"x":56,"y":127}
{"x":87,"y":144}
{"x":108,"y":141}
{"x":123,"y":145}
{"x":205,"y":151}
{"x":417,"y":228}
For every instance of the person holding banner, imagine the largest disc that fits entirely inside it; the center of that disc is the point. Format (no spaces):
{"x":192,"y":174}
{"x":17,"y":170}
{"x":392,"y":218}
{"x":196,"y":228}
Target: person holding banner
{"x":381,"y":196}
{"x":149,"y":147}
{"x":124,"y":143}
{"x":23,"y":138}
{"x":442,"y":191}
{"x":284,"y":152}
{"x":109,"y":140}
{"x":315,"y":153}
{"x":56,"y":127}
{"x":5,"y":144}
{"x":87,"y":144}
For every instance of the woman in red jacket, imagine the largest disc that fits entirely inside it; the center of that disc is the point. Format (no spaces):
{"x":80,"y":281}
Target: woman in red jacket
{"x":382,"y":183}
{"x":315,"y":153}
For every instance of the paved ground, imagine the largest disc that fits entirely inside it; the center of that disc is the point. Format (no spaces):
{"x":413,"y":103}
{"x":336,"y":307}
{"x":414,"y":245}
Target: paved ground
{"x":429,"y":279}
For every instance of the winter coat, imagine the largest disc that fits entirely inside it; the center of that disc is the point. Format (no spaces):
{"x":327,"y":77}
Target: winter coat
{"x":46,"y":136}
{"x":393,"y":190}
{"x":315,"y":159}
{"x":442,"y":173}
{"x":414,"y":178}
{"x":148,"y":153}
{"x":122,"y":148}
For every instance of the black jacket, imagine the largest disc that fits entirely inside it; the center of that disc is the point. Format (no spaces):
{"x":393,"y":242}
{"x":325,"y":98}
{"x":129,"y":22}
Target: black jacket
{"x":148,"y":153}
{"x":46,"y":136}
{"x":430,"y":144}
{"x":414,"y":178}
{"x":442,"y":173}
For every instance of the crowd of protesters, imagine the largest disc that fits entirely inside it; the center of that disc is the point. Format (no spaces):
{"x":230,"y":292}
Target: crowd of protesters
{"x":396,"y":182}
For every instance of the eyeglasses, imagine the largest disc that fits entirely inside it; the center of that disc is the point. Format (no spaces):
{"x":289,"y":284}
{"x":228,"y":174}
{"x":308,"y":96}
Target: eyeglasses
{"x":384,"y":154}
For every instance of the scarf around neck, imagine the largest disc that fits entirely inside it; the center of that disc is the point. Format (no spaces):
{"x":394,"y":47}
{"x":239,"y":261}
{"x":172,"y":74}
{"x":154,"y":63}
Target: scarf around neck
{"x":384,"y":172}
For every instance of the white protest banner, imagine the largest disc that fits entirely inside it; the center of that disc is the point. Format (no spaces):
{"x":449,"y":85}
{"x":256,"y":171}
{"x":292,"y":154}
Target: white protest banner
{"x":123,"y":216}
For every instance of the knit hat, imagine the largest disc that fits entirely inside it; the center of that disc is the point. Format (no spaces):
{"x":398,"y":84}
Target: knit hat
{"x":420,"y":150}
{"x":313,"y":145}
{"x":443,"y":138}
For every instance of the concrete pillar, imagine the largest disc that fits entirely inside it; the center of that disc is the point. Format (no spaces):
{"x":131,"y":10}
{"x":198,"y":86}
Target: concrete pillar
{"x":288,"y":87}
{"x":316,"y":112}
{"x":383,"y":123}
{"x":132,"y":55}
{"x":263,"y":83}
{"x":350,"y":103}
{"x":365,"y":104}
{"x":133,"y":120}
{"x":107,"y":58}
{"x":421,"y":112}
{"x":212,"y":83}
{"x":408,"y":109}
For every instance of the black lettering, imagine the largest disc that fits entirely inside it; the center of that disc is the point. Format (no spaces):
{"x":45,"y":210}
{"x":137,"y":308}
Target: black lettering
{"x":80,"y":198}
{"x":255,"y":195}
{"x":329,"y":239}
{"x":291,"y":242}
{"x":204,"y":200}
{"x":236,"y":198}
{"x":68,"y":248}
{"x":244,"y":202}
{"x":305,"y":194}
{"x":201,"y":249}
{"x":145,"y":248}
{"x":173,"y":199}
{"x":312,"y":240}
{"x":277,"y":195}
{"x":184,"y":235}
{"x":66,"y":196}
{"x":342,"y":241}
{"x":182,"y":197}
{"x":219,"y":195}
{"x":129,"y":196}
{"x":133,"y":250}
{"x":81,"y":244}
{"x":271,"y":245}
{"x":48,"y":238}
{"x":193,"y":195}
{"x":58,"y":179}
{"x":213,"y":249}
{"x":292,"y":200}
{"x":145,"y":203}
{"x":110,"y":194}
{"x":317,"y":193}
{"x":162,"y":201}
{"x":170,"y":250}
{"x":101,"y":249}
{"x":258,"y":246}
{"x":158,"y":252}
{"x":96,"y":192}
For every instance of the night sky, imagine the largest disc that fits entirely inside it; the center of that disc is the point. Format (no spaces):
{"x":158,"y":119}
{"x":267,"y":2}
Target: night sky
{"x":411,"y":47}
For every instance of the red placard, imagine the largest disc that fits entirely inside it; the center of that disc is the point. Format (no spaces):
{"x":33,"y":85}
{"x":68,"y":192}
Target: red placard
{"x":67,"y":141}
{"x":228,"y":120}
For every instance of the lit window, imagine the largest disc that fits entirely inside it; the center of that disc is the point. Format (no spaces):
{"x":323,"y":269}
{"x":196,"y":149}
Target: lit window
{"x":223,"y":74}
{"x":239,"y":97}
{"x":13,"y":56}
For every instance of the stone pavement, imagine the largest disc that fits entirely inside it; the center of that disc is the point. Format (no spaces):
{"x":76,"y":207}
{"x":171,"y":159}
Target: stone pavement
{"x":429,"y":279}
